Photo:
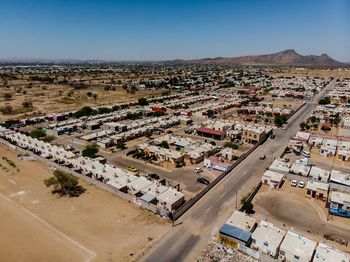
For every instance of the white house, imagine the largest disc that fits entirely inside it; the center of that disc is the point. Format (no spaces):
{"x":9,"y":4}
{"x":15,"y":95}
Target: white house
{"x":319,"y":174}
{"x":326,"y":253}
{"x":272,"y":179}
{"x":267,"y":238}
{"x":296,"y":247}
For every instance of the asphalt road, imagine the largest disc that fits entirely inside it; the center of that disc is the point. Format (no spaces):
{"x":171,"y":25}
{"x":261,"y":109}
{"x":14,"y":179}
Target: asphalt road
{"x":191,"y":232}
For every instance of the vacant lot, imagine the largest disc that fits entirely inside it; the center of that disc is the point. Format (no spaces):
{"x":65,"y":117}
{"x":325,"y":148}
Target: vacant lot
{"x":68,"y":229}
{"x":294,"y":211}
{"x":50,"y":98}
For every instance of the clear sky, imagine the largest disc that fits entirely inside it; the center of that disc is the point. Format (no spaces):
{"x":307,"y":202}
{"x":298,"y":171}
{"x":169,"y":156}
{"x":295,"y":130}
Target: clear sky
{"x":165,"y":29}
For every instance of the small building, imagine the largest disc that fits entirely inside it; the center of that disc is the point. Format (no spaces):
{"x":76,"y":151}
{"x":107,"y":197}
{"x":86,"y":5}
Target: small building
{"x":242,"y":221}
{"x":319,"y":174}
{"x":339,"y":204}
{"x":272,"y":179}
{"x":326,"y":253}
{"x":253,"y":135}
{"x":267,"y":238}
{"x":340,"y":177}
{"x":317,"y":190}
{"x":215,"y":163}
{"x":170,"y":199}
{"x":296,"y":247}
{"x":209,"y":132}
{"x":235,"y":236}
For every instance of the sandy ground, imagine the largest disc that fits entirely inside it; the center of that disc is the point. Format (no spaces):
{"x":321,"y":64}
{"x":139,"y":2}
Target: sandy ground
{"x":68,"y":229}
{"x":288,"y":208}
{"x":55,"y":98}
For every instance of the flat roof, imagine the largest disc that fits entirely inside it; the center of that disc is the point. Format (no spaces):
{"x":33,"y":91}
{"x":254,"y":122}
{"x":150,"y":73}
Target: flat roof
{"x":211,"y":131}
{"x":235,"y":232}
{"x":241,"y":220}
{"x":298,"y":245}
{"x":326,"y":253}
{"x":267,"y":232}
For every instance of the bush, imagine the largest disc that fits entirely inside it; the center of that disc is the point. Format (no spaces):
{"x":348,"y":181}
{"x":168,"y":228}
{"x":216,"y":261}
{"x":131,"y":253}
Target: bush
{"x":90,"y":151}
{"x":7,"y":96}
{"x":143,"y":101}
{"x":325,"y":101}
{"x":84,"y":111}
{"x":232,"y":145}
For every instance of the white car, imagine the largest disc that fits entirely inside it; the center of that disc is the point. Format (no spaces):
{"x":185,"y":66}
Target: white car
{"x":301,"y":184}
{"x":198,"y":170}
{"x":294,"y":183}
{"x":285,"y":128}
{"x":306,"y":154}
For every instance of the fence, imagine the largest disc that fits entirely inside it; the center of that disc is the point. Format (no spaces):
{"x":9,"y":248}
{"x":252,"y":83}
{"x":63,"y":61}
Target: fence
{"x":197,"y":197}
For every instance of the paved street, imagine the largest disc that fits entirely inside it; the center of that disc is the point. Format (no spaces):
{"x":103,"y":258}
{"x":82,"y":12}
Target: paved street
{"x":192,"y":231}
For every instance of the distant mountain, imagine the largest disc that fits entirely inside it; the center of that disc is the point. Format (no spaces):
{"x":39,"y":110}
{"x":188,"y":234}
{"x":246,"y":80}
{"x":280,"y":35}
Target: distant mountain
{"x":286,"y":57}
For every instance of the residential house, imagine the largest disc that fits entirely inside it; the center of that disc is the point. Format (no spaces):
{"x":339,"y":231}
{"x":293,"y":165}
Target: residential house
{"x":267,"y":238}
{"x":296,"y":247}
{"x":317,"y":190}
{"x":339,"y":204}
{"x":272,"y":179}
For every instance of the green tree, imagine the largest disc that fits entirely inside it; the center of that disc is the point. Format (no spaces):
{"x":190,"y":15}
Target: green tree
{"x":120,"y":145}
{"x":64,"y":184}
{"x":84,"y":111}
{"x":232,"y":145}
{"x":302,"y":125}
{"x":90,"y":151}
{"x":143,"y":101}
{"x":164,"y":144}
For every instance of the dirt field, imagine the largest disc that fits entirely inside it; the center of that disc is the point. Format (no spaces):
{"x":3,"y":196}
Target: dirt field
{"x":293,"y":211}
{"x":61,"y":98}
{"x":96,"y":226}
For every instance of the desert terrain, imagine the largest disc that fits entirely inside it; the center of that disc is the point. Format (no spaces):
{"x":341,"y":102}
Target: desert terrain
{"x":96,"y":226}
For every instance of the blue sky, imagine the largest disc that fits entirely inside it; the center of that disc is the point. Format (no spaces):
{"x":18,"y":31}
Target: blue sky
{"x":165,"y":29}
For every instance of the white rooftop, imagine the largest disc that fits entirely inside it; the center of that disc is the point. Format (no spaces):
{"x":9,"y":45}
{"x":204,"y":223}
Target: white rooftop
{"x":298,"y":245}
{"x":241,"y":220}
{"x":326,"y":253}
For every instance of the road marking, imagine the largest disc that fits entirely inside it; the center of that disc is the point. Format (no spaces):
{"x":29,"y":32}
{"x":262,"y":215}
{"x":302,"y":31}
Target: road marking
{"x":91,"y":253}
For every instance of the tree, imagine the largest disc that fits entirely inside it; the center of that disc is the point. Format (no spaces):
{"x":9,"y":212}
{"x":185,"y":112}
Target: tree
{"x":120,"y":145}
{"x":64,"y":184}
{"x":248,"y":207}
{"x":164,"y":144}
{"x":325,"y":101}
{"x":84,"y":111}
{"x":313,"y":119}
{"x":302,"y":125}
{"x":280,"y":120}
{"x":90,"y":151}
{"x":232,"y":145}
{"x":143,"y":101}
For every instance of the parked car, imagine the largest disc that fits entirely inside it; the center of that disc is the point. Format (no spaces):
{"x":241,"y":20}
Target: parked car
{"x":133,"y":169}
{"x":296,"y":151}
{"x":272,"y":136}
{"x":262,"y":156}
{"x":306,"y":154}
{"x":301,"y":184}
{"x":284,"y":127}
{"x":294,"y":183}
{"x":198,"y":170}
{"x":203,"y":181}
